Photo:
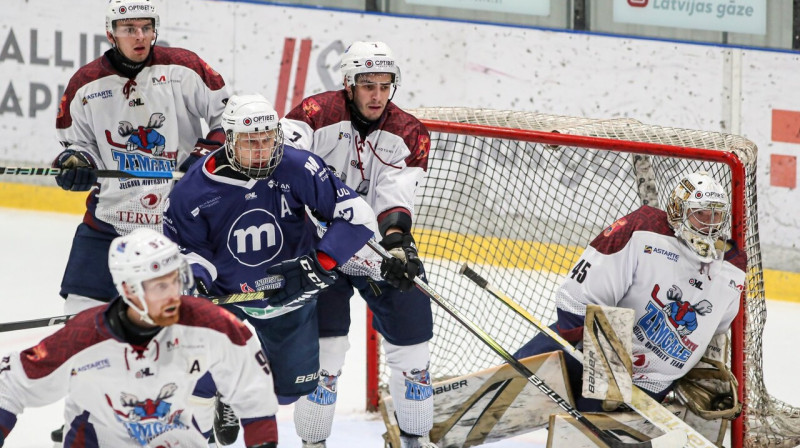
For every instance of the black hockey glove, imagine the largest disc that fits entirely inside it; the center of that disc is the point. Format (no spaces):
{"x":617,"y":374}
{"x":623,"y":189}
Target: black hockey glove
{"x":304,"y":277}
{"x":400,"y":270}
{"x":79,"y":172}
{"x":201,"y":148}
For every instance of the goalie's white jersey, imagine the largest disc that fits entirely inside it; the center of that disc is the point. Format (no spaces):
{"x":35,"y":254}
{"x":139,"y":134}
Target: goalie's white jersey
{"x":150,"y":123}
{"x":121,"y":395}
{"x":680,"y":303}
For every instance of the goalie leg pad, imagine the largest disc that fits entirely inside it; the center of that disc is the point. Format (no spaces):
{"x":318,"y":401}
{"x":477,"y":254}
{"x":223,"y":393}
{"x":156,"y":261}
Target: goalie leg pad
{"x":607,"y":345}
{"x":313,"y":414}
{"x":410,"y":386}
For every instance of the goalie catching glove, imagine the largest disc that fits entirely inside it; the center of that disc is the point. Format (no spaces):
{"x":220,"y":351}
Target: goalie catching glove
{"x":305,"y":277}
{"x":405,"y":265}
{"x":710,"y":390}
{"x":78,"y":170}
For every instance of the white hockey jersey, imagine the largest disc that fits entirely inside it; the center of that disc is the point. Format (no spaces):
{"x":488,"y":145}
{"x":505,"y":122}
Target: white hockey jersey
{"x":680,"y":303}
{"x":120,"y":395}
{"x":150,"y":123}
{"x":384,"y":167}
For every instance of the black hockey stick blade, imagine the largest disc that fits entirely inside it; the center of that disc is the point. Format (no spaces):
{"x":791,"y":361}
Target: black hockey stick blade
{"x":35,"y":323}
{"x":642,"y":403}
{"x":674,"y":439}
{"x":122,"y":174}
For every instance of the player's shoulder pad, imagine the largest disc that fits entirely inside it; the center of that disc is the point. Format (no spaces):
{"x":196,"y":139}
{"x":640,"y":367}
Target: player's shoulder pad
{"x":322,"y":109}
{"x":190,"y":60}
{"x":295,"y":160}
{"x":84,"y":330}
{"x":197,"y":312}
{"x":735,"y":256}
{"x":91,"y":72}
{"x":616,"y":236}
{"x":414,"y":134}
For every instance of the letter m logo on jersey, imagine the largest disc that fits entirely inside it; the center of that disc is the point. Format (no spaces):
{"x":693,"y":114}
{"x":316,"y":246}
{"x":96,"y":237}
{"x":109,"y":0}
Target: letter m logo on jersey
{"x":255,"y":238}
{"x":312,"y":166}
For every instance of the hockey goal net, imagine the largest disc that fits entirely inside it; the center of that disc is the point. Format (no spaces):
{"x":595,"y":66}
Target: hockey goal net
{"x":518,"y":195}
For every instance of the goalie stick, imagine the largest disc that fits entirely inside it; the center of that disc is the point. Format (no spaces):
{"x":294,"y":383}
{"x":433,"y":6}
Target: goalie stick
{"x":670,"y":439}
{"x":269,"y":311}
{"x":123,"y":174}
{"x":642,"y":403}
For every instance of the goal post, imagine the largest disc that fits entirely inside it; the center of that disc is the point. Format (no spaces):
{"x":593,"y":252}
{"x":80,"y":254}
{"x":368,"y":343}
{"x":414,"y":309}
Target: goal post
{"x":520,"y":194}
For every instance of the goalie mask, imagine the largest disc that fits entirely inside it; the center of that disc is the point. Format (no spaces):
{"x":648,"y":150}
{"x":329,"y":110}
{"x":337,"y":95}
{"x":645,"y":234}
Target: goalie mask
{"x":142,"y":255}
{"x":369,"y":57}
{"x":131,"y":9}
{"x":253,"y":135}
{"x":699,"y":214}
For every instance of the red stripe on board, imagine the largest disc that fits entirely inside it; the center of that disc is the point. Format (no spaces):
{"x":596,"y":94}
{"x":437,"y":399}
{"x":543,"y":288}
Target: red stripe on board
{"x":302,"y":72}
{"x":283,"y":78}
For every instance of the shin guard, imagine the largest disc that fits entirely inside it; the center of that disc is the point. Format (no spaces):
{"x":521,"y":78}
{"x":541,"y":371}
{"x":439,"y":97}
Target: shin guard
{"x":410,"y":387}
{"x":313,"y":414}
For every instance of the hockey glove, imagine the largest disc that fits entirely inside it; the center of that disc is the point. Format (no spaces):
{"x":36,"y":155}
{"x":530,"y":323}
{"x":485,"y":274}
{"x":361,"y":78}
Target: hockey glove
{"x":201,"y":148}
{"x":78,"y":171}
{"x":305,"y":278}
{"x":400,"y":270}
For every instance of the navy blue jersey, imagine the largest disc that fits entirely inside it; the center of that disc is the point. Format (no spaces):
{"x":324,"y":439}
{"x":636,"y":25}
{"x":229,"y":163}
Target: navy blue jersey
{"x":232,"y":229}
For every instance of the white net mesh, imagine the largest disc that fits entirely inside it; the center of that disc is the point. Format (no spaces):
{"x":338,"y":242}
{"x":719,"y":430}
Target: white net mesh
{"x":521,"y":213}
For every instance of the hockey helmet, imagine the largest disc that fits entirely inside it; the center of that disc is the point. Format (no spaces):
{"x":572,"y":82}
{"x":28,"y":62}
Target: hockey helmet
{"x":699,"y":214}
{"x":131,"y":9}
{"x":142,"y":255}
{"x":369,"y":57}
{"x":251,"y":127}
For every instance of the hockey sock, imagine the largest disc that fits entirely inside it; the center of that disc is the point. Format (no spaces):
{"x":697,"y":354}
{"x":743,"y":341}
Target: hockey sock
{"x":410,"y":386}
{"x":313,"y":414}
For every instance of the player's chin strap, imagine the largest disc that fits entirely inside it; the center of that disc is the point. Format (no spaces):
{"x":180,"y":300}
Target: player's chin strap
{"x":642,"y":403}
{"x":671,"y":439}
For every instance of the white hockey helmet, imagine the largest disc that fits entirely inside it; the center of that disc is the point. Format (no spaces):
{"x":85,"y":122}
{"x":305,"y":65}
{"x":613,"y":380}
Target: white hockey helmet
{"x":131,"y":9}
{"x":368,"y":57}
{"x":699,"y":213}
{"x":253,"y":115}
{"x":142,"y":255}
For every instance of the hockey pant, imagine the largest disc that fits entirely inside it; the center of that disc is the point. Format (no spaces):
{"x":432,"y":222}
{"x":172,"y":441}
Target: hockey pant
{"x":409,"y":385}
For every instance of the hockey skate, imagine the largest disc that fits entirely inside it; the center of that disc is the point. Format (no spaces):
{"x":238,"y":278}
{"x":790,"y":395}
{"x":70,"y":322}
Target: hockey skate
{"x":313,"y":444}
{"x":409,"y":441}
{"x":226,"y":424}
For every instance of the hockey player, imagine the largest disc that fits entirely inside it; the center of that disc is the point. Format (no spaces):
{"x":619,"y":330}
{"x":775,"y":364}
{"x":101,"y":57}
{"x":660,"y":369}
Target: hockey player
{"x":128,"y":369}
{"x":381,"y":152}
{"x":240,"y":217}
{"x":139,"y":108}
{"x":676,"y":270}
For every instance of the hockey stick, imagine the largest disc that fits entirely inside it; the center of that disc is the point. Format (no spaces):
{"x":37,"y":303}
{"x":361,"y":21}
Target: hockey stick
{"x":642,"y":403}
{"x":39,"y":171}
{"x":671,"y":439}
{"x":271,"y":311}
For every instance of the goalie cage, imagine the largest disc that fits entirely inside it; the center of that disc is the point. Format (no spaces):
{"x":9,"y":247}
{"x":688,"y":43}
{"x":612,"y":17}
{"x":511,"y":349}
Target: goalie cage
{"x":521,"y":194}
